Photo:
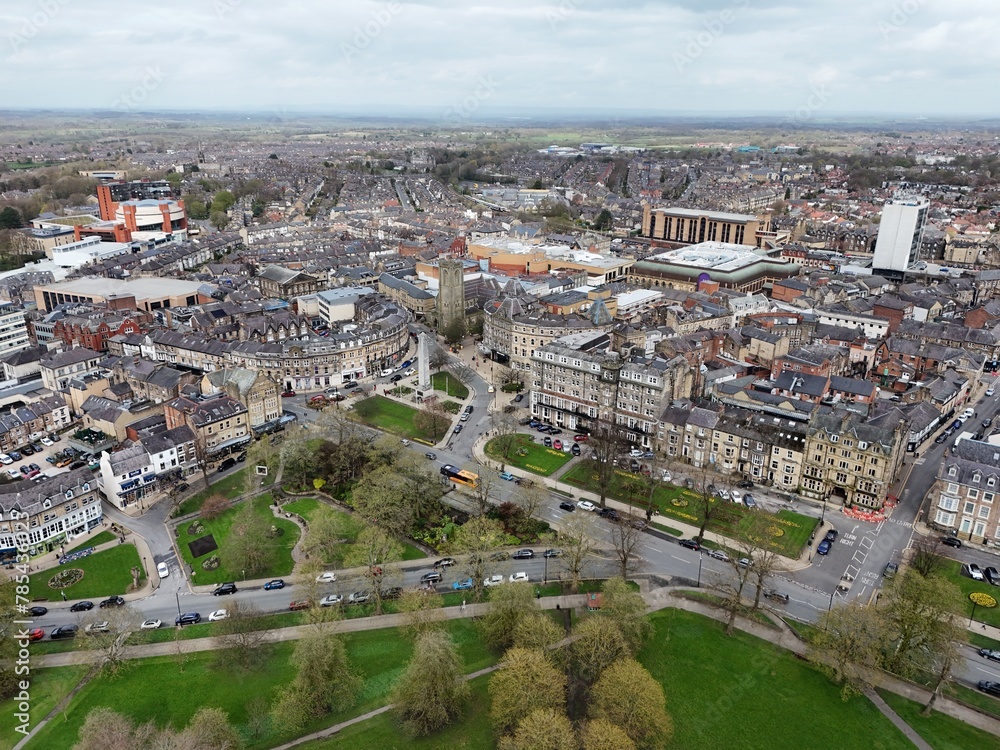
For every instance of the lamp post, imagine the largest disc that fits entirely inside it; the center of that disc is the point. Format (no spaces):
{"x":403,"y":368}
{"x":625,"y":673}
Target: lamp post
{"x":701,"y":557}
{"x":177,"y":596}
{"x":830,"y":607}
{"x":545,"y":574}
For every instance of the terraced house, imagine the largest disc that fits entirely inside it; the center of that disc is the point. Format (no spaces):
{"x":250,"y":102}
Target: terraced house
{"x":17,"y":426}
{"x":967,"y":492}
{"x":51,"y":512}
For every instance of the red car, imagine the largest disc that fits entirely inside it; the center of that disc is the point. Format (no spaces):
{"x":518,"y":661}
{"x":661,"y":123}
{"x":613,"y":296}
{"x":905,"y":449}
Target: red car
{"x":581,"y":438}
{"x":36,"y":635}
{"x":288,"y":394}
{"x":557,"y":445}
{"x":300,"y":604}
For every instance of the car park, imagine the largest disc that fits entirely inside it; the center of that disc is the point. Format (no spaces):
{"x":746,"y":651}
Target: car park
{"x":823,"y":548}
{"x":16,"y":455}
{"x":567,"y":506}
{"x":586,"y":505}
{"x":359,"y":597}
{"x":507,"y":476}
{"x":28,"y":450}
{"x":690,"y":544}
{"x":299,"y":604}
{"x":523,"y":554}
{"x":188,"y":618}
{"x":519,"y":577}
{"x":66,"y":631}
{"x":151,"y":624}
{"x":113,"y":601}
{"x":464,"y":585}
{"x":84,"y":606}
{"x":219,"y":614}
{"x":47,"y":442}
{"x":718,"y":554}
{"x":429,"y":579}
{"x":951,"y":541}
{"x":494,"y":580}
{"x":275,"y":584}
{"x":226,"y":588}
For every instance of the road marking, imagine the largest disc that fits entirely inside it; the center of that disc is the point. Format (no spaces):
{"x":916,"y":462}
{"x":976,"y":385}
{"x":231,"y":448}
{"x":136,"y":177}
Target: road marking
{"x":686,"y":562}
{"x":869,"y":544}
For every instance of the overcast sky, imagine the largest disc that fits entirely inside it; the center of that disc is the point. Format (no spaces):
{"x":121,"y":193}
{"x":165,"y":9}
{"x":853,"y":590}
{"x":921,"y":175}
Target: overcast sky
{"x":468,"y":59}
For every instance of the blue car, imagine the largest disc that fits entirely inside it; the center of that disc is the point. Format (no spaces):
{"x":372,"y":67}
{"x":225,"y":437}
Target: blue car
{"x":277,"y":583}
{"x":823,"y":548}
{"x":462,"y":585}
{"x":507,"y":475}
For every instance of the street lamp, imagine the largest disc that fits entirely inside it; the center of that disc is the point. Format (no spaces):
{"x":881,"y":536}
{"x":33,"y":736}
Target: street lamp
{"x":701,"y":557}
{"x":545,"y":574}
{"x":177,"y":596}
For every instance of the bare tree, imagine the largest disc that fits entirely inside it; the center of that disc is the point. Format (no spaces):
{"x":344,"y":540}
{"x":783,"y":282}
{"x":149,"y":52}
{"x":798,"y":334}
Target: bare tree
{"x":625,"y":538}
{"x":479,"y":539}
{"x":433,"y":419}
{"x":373,"y":551}
{"x":706,"y":505}
{"x":530,"y":498}
{"x":577,"y":542}
{"x":108,"y":633}
{"x":484,"y":491}
{"x":732,"y":587}
{"x":506,"y":439}
{"x":242,"y":632}
{"x":201,"y":454}
{"x":605,"y":446}
{"x":926,"y":556}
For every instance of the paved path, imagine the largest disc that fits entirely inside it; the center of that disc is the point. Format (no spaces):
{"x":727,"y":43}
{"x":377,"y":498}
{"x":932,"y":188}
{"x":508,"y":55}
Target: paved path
{"x":892,"y":716}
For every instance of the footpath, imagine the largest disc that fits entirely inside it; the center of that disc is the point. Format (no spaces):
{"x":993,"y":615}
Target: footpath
{"x":660,"y":598}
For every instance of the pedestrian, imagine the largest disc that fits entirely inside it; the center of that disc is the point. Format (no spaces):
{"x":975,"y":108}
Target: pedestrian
{"x":63,"y":595}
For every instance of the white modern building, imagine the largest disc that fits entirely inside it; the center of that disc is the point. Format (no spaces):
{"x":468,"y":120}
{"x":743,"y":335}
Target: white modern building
{"x":127,"y":476}
{"x":899,"y":233}
{"x":13,"y":329}
{"x":87,"y":250}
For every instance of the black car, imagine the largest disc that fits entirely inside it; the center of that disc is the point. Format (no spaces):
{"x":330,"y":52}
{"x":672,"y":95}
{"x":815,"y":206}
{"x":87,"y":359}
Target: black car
{"x":226,"y":465}
{"x":523,"y":554}
{"x":182,"y":487}
{"x":392,"y":593}
{"x":552,"y":553}
{"x":567,"y":506}
{"x":831,"y":535}
{"x":37,"y":611}
{"x":82,"y":607}
{"x":113,"y":601}
{"x":27,"y":451}
{"x":241,"y":458}
{"x":940,"y":438}
{"x":992,"y":575}
{"x":444,"y":562}
{"x":993,"y":688}
{"x":610,"y":513}
{"x":555,"y":431}
{"x":951,"y":541}
{"x":990,"y":654}
{"x":66,"y":631}
{"x":188,"y":618}
{"x":458,"y":429}
{"x":430,"y":578}
{"x":575,"y":450}
{"x":690,"y":544}
{"x":226,"y":588}
{"x":745,"y":484}
{"x":518,"y":398}
{"x":395,"y":378}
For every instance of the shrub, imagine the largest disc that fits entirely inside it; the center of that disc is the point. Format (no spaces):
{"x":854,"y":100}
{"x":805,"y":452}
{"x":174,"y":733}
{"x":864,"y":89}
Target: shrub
{"x":213,"y":507}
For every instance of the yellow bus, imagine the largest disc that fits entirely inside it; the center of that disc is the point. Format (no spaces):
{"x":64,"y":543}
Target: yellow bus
{"x":460,"y":476}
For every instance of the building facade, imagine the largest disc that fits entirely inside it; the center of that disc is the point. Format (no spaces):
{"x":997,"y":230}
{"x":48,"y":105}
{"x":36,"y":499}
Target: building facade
{"x":40,"y":516}
{"x":965,"y":497}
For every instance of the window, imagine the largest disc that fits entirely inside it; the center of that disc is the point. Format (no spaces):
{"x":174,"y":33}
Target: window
{"x":952,"y":471}
{"x":953,"y":488}
{"x":969,"y":508}
{"x":972,"y":494}
{"x":834,"y":438}
{"x":987,"y":497}
{"x":984,"y":511}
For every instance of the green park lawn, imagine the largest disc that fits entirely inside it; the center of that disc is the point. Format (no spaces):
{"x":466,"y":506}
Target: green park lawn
{"x":48,"y":687}
{"x":939,"y":731}
{"x":452,"y":386}
{"x":984,"y":702}
{"x":741,"y":693}
{"x":391,"y":416}
{"x":789,"y":533}
{"x":282,"y":562}
{"x":170,"y":689}
{"x":102,"y":537}
{"x":953,"y":572}
{"x":528,"y":455}
{"x":104,"y":574}
{"x":229,"y":487}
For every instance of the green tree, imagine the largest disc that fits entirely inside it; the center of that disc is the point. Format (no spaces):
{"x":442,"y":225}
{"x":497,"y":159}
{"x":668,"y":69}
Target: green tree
{"x":849,"y":646}
{"x":599,"y":644}
{"x":604,"y":220}
{"x":537,"y":630}
{"x":919,"y":613}
{"x":196,"y":208}
{"x":454,"y":331}
{"x":525,"y":681}
{"x":627,"y":609}
{"x":10,"y":218}
{"x":328,"y":532}
{"x":478,"y":538}
{"x":248,"y":547}
{"x":324,"y":682}
{"x":210,"y":729}
{"x":542,"y":729}
{"x":627,"y":695}
{"x":373,"y":551}
{"x":509,"y":604}
{"x":383,"y":499}
{"x":601,"y":734}
{"x":219,"y":220}
{"x":432,"y":691}
{"x":223,"y":201}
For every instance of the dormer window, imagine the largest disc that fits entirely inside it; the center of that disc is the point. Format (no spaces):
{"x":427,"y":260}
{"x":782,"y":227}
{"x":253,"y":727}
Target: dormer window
{"x":977,"y":477}
{"x":952,"y":471}
{"x":86,"y":486}
{"x":47,"y":503}
{"x":69,"y":494}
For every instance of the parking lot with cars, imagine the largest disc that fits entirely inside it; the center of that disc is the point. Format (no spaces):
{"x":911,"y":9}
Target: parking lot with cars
{"x":43,"y":456}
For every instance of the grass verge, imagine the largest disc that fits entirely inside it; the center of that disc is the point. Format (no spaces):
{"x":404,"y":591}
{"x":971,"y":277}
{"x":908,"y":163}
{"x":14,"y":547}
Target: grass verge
{"x":390,"y":416}
{"x":528,"y":455}
{"x":953,"y":572}
{"x":104,"y":574}
{"x":939,"y":731}
{"x":229,"y":487}
{"x":102,"y":537}
{"x":452,"y":386}
{"x":48,"y":687}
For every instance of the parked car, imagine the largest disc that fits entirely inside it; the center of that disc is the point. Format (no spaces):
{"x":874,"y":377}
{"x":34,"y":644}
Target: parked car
{"x":635,"y":453}
{"x":429,"y":579}
{"x":219,"y":614}
{"x":581,"y":438}
{"x":36,"y":635}
{"x":974,"y":572}
{"x":823,"y":548}
{"x":993,"y":688}
{"x":359,"y":597}
{"x":748,"y":500}
{"x":112,"y":601}
{"x":745,"y":484}
{"x":16,"y":455}
{"x":431,"y":456}
{"x":557,"y":444}
{"x":951,"y":541}
{"x":523,"y":554}
{"x":393,"y":592}
{"x":82,"y":607}
{"x":458,"y":429}
{"x":744,"y":562}
{"x":273,"y":585}
{"x":518,"y":398}
{"x":327,"y":577}
{"x":990,"y":654}
{"x":610,"y":513}
{"x":507,"y":476}
{"x":47,"y":442}
{"x":524,"y":482}
{"x":37,"y":611}
{"x":567,"y":506}
{"x":444,"y":562}
{"x":494,"y":580}
{"x":188,"y":618}
{"x":831,"y":535}
{"x":718,"y":554}
{"x":288,"y":394}
{"x":66,"y":631}
{"x":331,"y":600}
{"x":723,"y":494}
{"x":890,"y":570}
{"x":28,"y":450}
{"x":690,"y":544}
{"x":464,"y":585}
{"x":990,"y":391}
{"x":226,"y":465}
{"x":553,"y":552}
{"x":586,"y":505}
{"x":992,"y":575}
{"x":151,"y":624}
{"x":776,"y":596}
{"x":226,"y":588}
{"x":521,"y":577}
{"x":547,"y":442}
{"x":299,"y":604}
